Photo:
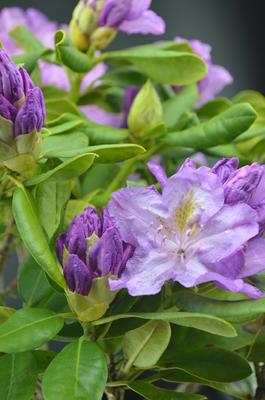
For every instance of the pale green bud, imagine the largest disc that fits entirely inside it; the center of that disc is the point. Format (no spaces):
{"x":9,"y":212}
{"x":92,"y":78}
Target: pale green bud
{"x":146,"y":111}
{"x":102,"y":36}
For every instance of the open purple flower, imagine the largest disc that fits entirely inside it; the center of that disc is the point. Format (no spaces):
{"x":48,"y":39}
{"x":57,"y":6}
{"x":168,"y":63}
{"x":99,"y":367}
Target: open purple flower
{"x":187,"y":234}
{"x":93,"y":248}
{"x":217,"y":76}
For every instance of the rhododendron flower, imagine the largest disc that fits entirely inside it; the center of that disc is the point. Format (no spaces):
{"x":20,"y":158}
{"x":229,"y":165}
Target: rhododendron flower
{"x":217,"y":76}
{"x":187,"y":234}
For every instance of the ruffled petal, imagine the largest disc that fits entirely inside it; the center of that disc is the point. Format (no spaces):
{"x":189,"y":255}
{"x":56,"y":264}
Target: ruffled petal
{"x":148,"y":22}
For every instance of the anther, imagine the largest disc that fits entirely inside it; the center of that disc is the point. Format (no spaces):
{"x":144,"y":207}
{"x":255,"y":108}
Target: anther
{"x":163,"y":241}
{"x":150,"y":225}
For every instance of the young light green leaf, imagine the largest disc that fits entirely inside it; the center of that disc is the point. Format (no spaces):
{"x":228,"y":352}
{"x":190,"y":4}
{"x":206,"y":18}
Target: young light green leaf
{"x":56,"y":107}
{"x":6,"y":313}
{"x":78,"y":372}
{"x":63,"y":142}
{"x":66,"y":171}
{"x":222,"y":128}
{"x":144,"y":346}
{"x":29,"y":227}
{"x":151,"y":392}
{"x":28,"y":329}
{"x":18,"y":378}
{"x":25,"y":39}
{"x":249,"y":96}
{"x":213,"y":108}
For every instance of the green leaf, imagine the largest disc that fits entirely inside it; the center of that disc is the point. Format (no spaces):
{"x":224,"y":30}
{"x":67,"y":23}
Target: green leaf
{"x":78,"y":372}
{"x":69,"y":333}
{"x":249,"y":96}
{"x":31,"y":232}
{"x":101,"y":134}
{"x":205,"y":363}
{"x":174,"y":68}
{"x":51,"y":92}
{"x":174,"y":108}
{"x":25,"y":39}
{"x":214,"y":107}
{"x":257,"y":349}
{"x":67,"y":126}
{"x":244,"y":389}
{"x":158,"y":130}
{"x":70,"y":55}
{"x":29,"y":60}
{"x":66,"y":171}
{"x":29,"y":328}
{"x":106,"y":153}
{"x":249,"y":134}
{"x":98,"y":177}
{"x":125,"y":76}
{"x":56,"y":107}
{"x":33,"y":286}
{"x":50,"y":199}
{"x":151,"y":392}
{"x":204,"y":322}
{"x":220,"y":129}
{"x":43,"y":359}
{"x":233,"y":311}
{"x":144,"y":346}
{"x":6,"y":313}
{"x":18,"y":378}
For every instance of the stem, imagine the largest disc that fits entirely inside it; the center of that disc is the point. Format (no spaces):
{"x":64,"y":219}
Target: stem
{"x":89,"y":331}
{"x":123,"y":173}
{"x":115,"y":393}
{"x":75,"y":86}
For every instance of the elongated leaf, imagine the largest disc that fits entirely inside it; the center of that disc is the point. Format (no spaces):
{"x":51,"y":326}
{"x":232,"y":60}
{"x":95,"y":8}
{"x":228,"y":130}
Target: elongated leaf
{"x":69,"y":55}
{"x":251,"y":96}
{"x":67,"y":126}
{"x":56,"y":107}
{"x":249,"y":134}
{"x":33,"y":286}
{"x":18,"y":378}
{"x":174,"y":68}
{"x":31,"y":232}
{"x":221,"y":129}
{"x":244,"y":389}
{"x":106,"y":153}
{"x":98,"y":176}
{"x":101,"y":134}
{"x":257,"y":350}
{"x":151,"y":392}
{"x":78,"y":372}
{"x":204,"y":322}
{"x":63,"y":142}
{"x":53,"y":92}
{"x":175,"y":107}
{"x":25,"y":39}
{"x":233,"y":311}
{"x":29,"y":60}
{"x":125,"y":76}
{"x":6,"y":313}
{"x":213,"y":108}
{"x":205,"y":363}
{"x":66,"y":171}
{"x":28,"y":328}
{"x":144,"y":346}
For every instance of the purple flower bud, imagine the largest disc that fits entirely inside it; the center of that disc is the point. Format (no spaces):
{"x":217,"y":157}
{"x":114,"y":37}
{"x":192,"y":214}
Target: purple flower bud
{"x":105,"y":222}
{"x":75,"y":241}
{"x":31,"y":114}
{"x":242,"y":184}
{"x":11,"y":84}
{"x":27,"y":81}
{"x":224,"y":168}
{"x":59,"y":247}
{"x":128,"y":251}
{"x":106,"y":255}
{"x":77,"y":275}
{"x":188,"y":163}
{"x":91,"y":222}
{"x":7,"y":111}
{"x":114,"y":12}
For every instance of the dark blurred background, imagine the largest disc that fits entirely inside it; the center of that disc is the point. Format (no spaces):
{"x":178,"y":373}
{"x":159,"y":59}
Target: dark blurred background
{"x":234,"y":29}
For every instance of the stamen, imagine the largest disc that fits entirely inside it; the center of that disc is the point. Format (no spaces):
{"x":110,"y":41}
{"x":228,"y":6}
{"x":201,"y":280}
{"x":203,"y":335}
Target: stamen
{"x":245,"y":247}
{"x":163,"y":241}
{"x":150,"y":225}
{"x":185,"y":261}
{"x":198,"y":237}
{"x":187,"y":234}
{"x":158,"y":230}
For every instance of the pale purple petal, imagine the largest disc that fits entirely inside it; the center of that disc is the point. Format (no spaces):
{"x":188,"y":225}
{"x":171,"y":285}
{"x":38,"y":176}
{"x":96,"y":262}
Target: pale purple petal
{"x":240,"y":286}
{"x":158,"y":172}
{"x":96,"y":73}
{"x":77,"y":275}
{"x":188,"y":163}
{"x":148,"y":22}
{"x":102,"y":117}
{"x":52,"y":74}
{"x":230,"y":266}
{"x":254,"y":258}
{"x":114,"y":12}
{"x":226,"y":231}
{"x":225,"y":167}
{"x":203,"y":50}
{"x":137,"y":8}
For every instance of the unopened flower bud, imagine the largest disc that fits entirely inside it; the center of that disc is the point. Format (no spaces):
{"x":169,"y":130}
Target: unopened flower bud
{"x":22,"y":114}
{"x":114,"y":12}
{"x":102,"y":36}
{"x":146,"y":111}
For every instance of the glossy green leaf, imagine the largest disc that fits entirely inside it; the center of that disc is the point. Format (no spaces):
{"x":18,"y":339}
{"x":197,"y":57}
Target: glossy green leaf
{"x":101,"y":134}
{"x":58,"y":303}
{"x":249,"y":134}
{"x":257,"y":349}
{"x":18,"y":378}
{"x":28,"y":329}
{"x":29,"y":60}
{"x":69,"y":333}
{"x":244,"y":389}
{"x":174,"y":108}
{"x":125,"y":76}
{"x":158,"y":130}
{"x":214,"y":107}
{"x":144,"y":346}
{"x":29,"y":226}
{"x":105,"y":153}
{"x":25,"y":39}
{"x":151,"y":392}
{"x":33,"y":286}
{"x":220,"y":129}
{"x":78,"y":372}
{"x":250,"y":96}
{"x":67,"y":126}
{"x":207,"y":323}
{"x":205,"y":363}
{"x":6,"y":313}
{"x":51,"y":92}
{"x":50,"y":198}
{"x":56,"y":107}
{"x":43,"y":359}
{"x":66,"y":171}
{"x":98,"y":176}
{"x":174,"y":68}
{"x":233,"y":311}
{"x":70,"y":55}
